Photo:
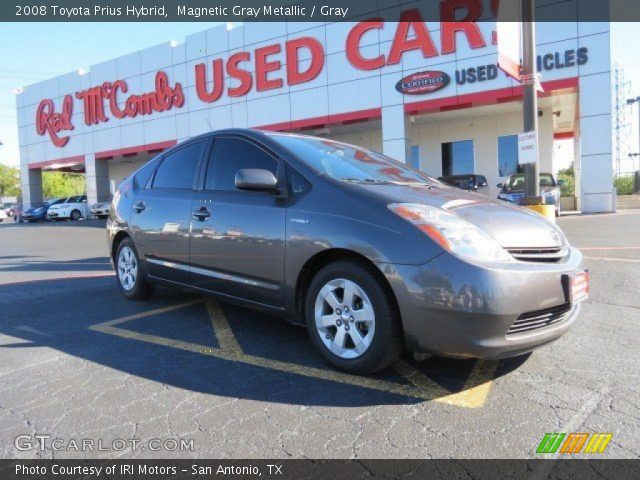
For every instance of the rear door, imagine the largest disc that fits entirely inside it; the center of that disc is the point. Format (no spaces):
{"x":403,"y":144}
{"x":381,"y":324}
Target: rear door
{"x":238,"y":237}
{"x":162,"y":211}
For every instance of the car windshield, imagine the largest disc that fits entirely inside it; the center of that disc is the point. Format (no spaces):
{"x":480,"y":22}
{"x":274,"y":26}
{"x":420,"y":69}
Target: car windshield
{"x":516,"y":182}
{"x":349,"y":163}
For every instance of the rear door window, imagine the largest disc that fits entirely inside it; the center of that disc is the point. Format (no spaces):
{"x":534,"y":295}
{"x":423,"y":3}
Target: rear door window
{"x":178,"y":168}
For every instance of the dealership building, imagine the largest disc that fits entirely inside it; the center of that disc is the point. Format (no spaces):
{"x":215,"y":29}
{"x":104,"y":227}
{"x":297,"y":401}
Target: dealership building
{"x":427,"y":93}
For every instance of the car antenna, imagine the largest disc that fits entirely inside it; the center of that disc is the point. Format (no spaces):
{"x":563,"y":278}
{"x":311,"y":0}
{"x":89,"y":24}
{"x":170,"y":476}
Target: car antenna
{"x":210,"y":127}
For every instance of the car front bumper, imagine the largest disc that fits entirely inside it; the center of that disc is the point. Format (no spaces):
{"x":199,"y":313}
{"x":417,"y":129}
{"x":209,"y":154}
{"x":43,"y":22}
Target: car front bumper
{"x":33,"y":217}
{"x":54,"y":215}
{"x":454,"y":308}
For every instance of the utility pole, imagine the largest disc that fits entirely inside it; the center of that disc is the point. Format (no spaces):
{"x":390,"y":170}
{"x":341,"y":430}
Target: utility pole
{"x":530,"y":100}
{"x":631,"y":101}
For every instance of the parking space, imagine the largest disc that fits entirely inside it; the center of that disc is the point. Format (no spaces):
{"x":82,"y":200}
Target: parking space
{"x":79,"y":361}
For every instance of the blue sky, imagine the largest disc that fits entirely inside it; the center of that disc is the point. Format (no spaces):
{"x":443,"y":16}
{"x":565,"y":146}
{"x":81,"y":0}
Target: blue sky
{"x":33,"y":52}
{"x":36,"y":51}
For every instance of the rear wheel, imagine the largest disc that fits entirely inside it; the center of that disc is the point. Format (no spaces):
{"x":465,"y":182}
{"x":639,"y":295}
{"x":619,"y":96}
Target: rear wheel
{"x":75,"y":215}
{"x":130,"y":275}
{"x":352,"y":318}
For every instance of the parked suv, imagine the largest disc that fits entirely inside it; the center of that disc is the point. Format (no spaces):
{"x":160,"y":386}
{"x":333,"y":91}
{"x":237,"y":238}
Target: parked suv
{"x":371,"y":255}
{"x":470,"y":182}
{"x":513,"y":190}
{"x":72,"y":208}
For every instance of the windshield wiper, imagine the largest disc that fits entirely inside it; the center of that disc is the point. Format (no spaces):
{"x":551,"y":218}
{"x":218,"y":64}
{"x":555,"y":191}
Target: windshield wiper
{"x":363,"y":180}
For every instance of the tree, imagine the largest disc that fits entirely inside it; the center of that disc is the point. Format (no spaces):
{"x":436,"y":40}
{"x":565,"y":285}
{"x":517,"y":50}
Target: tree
{"x":9,"y":181}
{"x":61,"y":184}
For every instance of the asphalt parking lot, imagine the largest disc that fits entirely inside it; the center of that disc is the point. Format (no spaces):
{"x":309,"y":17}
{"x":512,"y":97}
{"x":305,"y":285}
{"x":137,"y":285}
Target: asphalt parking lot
{"x":78,"y":361}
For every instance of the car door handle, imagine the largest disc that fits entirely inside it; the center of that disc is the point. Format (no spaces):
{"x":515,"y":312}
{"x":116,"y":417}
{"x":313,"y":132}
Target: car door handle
{"x":139,"y":207}
{"x":201,"y":214}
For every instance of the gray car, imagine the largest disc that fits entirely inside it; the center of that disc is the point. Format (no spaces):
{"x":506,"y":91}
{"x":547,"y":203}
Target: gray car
{"x":371,"y":255}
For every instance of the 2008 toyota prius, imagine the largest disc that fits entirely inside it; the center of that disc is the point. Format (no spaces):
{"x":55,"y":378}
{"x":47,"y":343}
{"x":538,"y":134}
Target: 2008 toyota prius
{"x":373,"y":256}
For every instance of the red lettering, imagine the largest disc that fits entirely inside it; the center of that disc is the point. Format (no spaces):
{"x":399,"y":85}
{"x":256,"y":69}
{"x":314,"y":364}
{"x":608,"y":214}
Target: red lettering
{"x":294,"y":75}
{"x":353,"y":46}
{"x":93,"y":106}
{"x":48,"y":121}
{"x":162,"y":98}
{"x":240,"y":74}
{"x":201,"y":82}
{"x":467,"y":25}
{"x":113,"y":98}
{"x":411,"y":19}
{"x":264,"y":67}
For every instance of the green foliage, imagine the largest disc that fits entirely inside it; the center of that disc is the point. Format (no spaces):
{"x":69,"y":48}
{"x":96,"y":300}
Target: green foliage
{"x":61,"y":184}
{"x":9,"y":181}
{"x":569,"y":177}
{"x":624,"y":185}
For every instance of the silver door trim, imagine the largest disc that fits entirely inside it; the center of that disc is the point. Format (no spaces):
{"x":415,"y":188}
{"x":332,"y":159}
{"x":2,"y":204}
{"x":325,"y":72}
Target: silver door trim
{"x":214,"y":274}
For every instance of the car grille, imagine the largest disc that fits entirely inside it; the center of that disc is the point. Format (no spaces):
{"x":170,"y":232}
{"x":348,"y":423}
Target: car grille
{"x":541,"y":255}
{"x":540,"y":319}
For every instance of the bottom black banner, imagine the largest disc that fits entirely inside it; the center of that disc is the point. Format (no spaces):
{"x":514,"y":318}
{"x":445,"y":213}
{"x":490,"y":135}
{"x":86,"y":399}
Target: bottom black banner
{"x":320,"y":469}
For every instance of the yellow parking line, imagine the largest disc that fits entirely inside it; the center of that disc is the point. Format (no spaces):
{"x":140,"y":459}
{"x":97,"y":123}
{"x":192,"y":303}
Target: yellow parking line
{"x":421,"y":387}
{"x":221,"y":328}
{"x":149,"y":313}
{"x":476,"y":389}
{"x":474,"y":393}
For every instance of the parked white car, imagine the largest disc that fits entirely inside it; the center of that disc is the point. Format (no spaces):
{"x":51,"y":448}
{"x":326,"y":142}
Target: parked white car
{"x":100,"y":209}
{"x":72,"y":208}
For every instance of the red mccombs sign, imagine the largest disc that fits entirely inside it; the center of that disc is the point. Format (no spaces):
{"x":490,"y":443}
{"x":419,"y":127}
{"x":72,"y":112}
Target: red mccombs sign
{"x":411,"y":33}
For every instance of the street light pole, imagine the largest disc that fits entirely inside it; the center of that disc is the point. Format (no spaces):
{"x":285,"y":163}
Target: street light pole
{"x":530,"y":100}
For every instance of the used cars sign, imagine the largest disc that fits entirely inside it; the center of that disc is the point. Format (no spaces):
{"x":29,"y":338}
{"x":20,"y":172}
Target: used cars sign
{"x":423,"y":82}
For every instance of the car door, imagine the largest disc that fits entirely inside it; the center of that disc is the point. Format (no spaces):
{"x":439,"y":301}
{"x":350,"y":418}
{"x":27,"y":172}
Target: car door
{"x":161,"y":213}
{"x":238,"y":237}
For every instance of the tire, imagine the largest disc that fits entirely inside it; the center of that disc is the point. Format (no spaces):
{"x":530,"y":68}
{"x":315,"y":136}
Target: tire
{"x":130,"y":273}
{"x":380,"y":340}
{"x":75,"y":215}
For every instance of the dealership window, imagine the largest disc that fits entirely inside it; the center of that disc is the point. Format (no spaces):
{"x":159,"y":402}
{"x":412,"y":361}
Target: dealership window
{"x":230,"y":155}
{"x":457,"y":158}
{"x":507,"y":155}
{"x":178,"y":168}
{"x":414,"y":159}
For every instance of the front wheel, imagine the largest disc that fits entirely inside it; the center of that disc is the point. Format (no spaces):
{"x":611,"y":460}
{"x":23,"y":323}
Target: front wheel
{"x":352,"y":318}
{"x":130,"y":276}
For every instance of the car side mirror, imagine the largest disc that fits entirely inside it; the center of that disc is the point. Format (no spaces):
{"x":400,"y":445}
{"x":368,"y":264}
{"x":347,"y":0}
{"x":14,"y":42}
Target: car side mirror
{"x":561,"y":183}
{"x":500,"y":185}
{"x":257,"y":180}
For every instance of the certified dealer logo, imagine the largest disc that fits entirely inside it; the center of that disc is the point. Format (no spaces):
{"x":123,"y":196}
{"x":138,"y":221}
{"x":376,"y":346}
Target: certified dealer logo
{"x":423,"y":82}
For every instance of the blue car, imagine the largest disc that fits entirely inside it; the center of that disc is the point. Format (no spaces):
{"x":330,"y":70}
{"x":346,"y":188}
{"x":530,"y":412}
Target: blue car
{"x":38,"y":213}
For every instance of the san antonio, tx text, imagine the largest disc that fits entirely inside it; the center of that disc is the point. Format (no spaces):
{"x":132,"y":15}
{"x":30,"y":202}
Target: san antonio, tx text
{"x":144,"y":469}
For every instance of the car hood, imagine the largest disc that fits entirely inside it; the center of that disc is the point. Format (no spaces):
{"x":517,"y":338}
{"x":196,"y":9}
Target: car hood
{"x":511,"y":226}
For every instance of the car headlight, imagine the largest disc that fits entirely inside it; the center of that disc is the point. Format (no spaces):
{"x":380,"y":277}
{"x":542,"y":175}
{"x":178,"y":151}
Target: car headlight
{"x":451,"y":232}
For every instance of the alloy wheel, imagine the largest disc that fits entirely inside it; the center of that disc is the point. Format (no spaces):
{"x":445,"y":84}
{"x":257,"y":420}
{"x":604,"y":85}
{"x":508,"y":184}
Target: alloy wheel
{"x":127,"y":268}
{"x":345,"y":319}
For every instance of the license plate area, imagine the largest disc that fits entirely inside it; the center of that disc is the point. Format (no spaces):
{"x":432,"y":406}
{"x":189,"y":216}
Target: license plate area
{"x":579,"y":286}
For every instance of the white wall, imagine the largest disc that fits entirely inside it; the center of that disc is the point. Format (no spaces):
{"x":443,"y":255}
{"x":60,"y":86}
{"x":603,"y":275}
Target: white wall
{"x":484,"y":131}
